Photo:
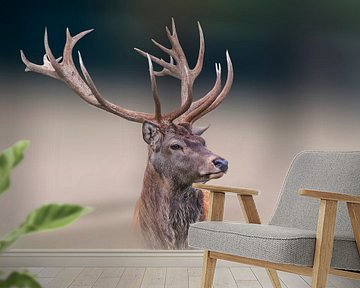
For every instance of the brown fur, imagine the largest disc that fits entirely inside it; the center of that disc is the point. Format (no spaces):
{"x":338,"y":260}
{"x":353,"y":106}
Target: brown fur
{"x":168,"y":204}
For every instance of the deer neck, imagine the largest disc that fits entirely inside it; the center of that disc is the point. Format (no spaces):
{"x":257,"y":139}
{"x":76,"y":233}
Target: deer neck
{"x":160,"y":190}
{"x":166,"y":210}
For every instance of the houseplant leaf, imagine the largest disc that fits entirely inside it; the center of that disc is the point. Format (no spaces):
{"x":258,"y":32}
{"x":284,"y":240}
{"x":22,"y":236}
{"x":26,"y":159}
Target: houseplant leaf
{"x":19,"y":279}
{"x":47,"y":217}
{"x":9,"y":158}
{"x":53,"y":216}
{"x":10,"y":238}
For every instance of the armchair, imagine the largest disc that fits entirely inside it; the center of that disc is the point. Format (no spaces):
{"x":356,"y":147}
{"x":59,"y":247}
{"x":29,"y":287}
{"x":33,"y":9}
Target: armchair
{"x":306,"y":236}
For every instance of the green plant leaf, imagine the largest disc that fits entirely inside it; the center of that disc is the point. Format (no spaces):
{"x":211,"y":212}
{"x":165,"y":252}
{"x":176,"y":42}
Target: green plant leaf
{"x":10,"y":238}
{"x":9,"y":158}
{"x":20,"y":280}
{"x":47,"y":217}
{"x":52,"y":216}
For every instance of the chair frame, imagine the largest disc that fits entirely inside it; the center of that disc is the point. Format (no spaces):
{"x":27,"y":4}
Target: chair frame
{"x":324,"y":235}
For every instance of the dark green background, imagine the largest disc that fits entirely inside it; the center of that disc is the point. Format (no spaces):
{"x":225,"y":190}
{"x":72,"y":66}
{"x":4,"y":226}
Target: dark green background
{"x":276,"y":42}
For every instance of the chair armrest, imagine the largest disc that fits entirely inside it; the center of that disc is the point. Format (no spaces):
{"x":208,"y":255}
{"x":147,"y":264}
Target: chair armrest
{"x":223,"y":189}
{"x":330,"y":196}
{"x":353,"y":205}
{"x":217,"y":198}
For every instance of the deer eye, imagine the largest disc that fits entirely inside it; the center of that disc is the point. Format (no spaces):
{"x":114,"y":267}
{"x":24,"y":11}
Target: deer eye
{"x":175,"y":147}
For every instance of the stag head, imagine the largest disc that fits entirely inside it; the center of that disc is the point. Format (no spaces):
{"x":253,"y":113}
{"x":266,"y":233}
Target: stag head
{"x":180,"y":154}
{"x":176,"y":149}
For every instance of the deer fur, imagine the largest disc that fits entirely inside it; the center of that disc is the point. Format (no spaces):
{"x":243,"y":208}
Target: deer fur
{"x":168,"y":204}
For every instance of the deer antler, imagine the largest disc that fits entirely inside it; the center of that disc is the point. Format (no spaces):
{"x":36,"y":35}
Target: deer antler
{"x":65,"y":70}
{"x":190,"y":112}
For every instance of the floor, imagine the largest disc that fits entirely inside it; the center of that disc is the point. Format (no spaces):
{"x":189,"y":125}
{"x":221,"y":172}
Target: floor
{"x":153,"y":277}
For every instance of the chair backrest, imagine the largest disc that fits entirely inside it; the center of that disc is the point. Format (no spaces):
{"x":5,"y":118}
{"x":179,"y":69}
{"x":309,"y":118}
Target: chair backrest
{"x":318,"y":170}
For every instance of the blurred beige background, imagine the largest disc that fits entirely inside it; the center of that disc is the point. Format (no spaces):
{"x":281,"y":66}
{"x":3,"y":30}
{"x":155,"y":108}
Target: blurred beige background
{"x":297,"y":71}
{"x":80,"y":154}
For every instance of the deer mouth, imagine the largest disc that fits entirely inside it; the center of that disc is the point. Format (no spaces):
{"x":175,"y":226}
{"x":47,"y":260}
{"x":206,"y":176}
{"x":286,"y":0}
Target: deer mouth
{"x":215,"y":175}
{"x":206,"y":177}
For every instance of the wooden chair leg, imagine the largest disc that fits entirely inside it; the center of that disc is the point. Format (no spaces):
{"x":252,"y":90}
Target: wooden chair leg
{"x":354,"y":212}
{"x":249,"y":210}
{"x":274,"y":278}
{"x":251,"y":215}
{"x":324,"y":243}
{"x":208,"y":271}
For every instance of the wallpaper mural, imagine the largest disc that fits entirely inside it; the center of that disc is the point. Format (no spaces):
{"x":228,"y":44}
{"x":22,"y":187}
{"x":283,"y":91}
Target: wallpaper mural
{"x":286,"y":75}
{"x":177,"y":154}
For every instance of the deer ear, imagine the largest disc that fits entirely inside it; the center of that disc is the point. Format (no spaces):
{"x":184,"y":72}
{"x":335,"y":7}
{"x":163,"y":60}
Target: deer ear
{"x":151,"y":134}
{"x":199,"y":130}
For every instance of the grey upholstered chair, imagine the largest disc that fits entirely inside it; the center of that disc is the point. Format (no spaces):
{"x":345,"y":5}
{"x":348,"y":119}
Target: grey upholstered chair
{"x":310,"y":233}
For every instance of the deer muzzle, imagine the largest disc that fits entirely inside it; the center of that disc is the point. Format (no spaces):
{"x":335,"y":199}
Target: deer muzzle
{"x":221,"y":164}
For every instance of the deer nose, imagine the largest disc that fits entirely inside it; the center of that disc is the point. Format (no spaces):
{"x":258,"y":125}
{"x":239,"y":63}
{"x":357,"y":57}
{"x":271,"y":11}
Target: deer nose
{"x":222,"y":164}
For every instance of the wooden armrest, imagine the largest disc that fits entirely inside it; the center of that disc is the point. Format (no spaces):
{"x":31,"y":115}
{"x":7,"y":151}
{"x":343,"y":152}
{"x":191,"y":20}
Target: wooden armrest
{"x":330,"y":196}
{"x":217,"y":198}
{"x":222,"y":189}
{"x":328,"y":210}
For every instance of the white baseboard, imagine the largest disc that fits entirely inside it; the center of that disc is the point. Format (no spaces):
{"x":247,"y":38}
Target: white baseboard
{"x":104,"y":258}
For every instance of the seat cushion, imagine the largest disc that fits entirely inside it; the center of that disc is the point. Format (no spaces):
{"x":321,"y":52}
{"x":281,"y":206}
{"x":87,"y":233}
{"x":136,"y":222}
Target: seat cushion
{"x":270,"y":243}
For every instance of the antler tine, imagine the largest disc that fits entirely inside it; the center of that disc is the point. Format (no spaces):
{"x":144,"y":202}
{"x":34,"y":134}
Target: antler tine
{"x":163,"y":48}
{"x":186,"y":92}
{"x":173,"y":27}
{"x":168,"y":67}
{"x":107,"y":105}
{"x":165,"y":71}
{"x":45,"y":68}
{"x":67,"y":72}
{"x":154,"y":91}
{"x":92,"y":86}
{"x":200,"y":105}
{"x":48,"y":51}
{"x":179,"y":54}
{"x":70,"y":43}
{"x":199,"y":64}
{"x":223,"y":93}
